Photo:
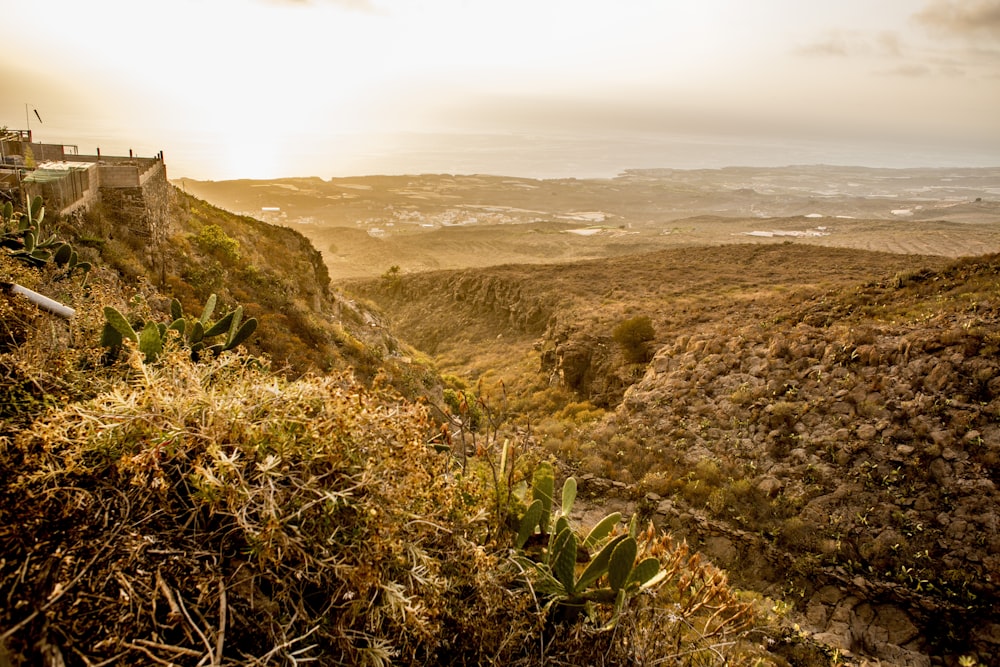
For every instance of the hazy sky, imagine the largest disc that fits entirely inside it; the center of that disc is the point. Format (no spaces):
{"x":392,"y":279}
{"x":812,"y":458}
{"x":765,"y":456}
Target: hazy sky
{"x":260,"y":88}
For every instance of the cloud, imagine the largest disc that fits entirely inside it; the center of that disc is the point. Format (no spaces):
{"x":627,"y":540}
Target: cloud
{"x":891,"y":54}
{"x":970,"y":19}
{"x":908,"y":70}
{"x":974,"y":60}
{"x":835,"y":44}
{"x":888,"y":42}
{"x":845,"y":44}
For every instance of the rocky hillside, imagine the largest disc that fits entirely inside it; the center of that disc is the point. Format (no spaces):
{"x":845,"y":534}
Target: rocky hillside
{"x":563,"y":316}
{"x":275,"y":273}
{"x":822,"y":423}
{"x":856,"y":439}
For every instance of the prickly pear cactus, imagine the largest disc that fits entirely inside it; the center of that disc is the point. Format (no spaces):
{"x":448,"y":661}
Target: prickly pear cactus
{"x":192,"y":333}
{"x":609,"y":579}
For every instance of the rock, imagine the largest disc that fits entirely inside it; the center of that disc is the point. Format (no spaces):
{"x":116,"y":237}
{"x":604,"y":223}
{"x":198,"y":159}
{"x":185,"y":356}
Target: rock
{"x":941,"y":471}
{"x":817,"y":614}
{"x":939,"y":377}
{"x":829,"y":595}
{"x":861,"y":618}
{"x":942,"y":438}
{"x":770,"y":486}
{"x":972,"y":437}
{"x":899,"y":629}
{"x":888,"y":540}
{"x":984,"y":486}
{"x":867,"y":432}
{"x":890,"y":654}
{"x":836,"y":640}
{"x":991,"y":635}
{"x":842,"y":612}
{"x":842,"y":408}
{"x":721,"y":550}
{"x":575,"y":364}
{"x":957,"y":529}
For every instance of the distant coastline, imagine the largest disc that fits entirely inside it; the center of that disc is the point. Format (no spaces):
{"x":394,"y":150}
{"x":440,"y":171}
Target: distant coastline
{"x":200,"y":155}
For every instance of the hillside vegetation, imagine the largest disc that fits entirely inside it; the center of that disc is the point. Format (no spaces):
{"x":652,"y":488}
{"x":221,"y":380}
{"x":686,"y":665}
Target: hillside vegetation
{"x":273,"y":272}
{"x":246,"y":509}
{"x":821,"y":422}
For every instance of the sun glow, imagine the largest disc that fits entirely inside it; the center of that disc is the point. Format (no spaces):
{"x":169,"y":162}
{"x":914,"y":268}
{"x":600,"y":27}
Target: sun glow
{"x":294,"y":85}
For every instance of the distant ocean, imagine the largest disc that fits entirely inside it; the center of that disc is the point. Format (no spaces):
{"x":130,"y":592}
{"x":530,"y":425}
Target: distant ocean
{"x":204,"y":157}
{"x":546,"y":156}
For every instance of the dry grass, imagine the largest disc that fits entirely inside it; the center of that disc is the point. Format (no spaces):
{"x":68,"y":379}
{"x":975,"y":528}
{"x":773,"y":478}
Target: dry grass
{"x":237,"y":518}
{"x":216,"y":513}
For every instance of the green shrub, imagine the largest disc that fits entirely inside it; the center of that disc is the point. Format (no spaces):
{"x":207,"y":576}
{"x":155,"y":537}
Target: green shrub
{"x":634,"y":336}
{"x":465,"y":406}
{"x":213,"y":240}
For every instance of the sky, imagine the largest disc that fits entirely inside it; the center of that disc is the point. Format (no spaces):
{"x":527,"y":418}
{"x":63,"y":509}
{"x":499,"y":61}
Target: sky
{"x":537,"y":88}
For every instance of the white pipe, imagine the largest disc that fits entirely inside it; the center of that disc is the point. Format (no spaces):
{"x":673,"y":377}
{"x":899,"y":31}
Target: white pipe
{"x":43,"y":302}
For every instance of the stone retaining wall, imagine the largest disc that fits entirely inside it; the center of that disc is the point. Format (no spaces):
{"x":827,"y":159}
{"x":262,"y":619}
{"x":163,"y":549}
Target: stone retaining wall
{"x":142,"y":209}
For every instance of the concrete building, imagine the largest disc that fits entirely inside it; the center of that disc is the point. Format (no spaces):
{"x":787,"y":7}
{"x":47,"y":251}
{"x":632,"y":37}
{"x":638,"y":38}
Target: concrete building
{"x":132,"y":191}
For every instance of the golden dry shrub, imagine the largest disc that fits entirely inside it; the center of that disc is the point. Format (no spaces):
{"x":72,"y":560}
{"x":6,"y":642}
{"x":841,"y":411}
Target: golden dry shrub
{"x":15,"y":319}
{"x":216,"y":512}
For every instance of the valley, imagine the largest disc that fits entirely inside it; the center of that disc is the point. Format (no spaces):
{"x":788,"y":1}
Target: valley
{"x":815,"y":407}
{"x":481,"y":334}
{"x":821,"y":422}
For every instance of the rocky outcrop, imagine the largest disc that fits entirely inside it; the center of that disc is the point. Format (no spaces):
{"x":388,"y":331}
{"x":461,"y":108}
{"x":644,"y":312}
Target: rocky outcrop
{"x":504,"y":301}
{"x":590,"y":365}
{"x":808,"y":431}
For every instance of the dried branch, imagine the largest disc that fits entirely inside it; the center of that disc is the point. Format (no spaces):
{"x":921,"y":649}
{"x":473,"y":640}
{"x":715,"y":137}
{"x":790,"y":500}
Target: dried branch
{"x":220,"y":637}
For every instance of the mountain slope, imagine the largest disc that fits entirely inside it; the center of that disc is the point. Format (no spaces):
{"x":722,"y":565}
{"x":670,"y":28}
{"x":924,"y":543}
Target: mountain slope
{"x":274,"y":272}
{"x":500,"y":315}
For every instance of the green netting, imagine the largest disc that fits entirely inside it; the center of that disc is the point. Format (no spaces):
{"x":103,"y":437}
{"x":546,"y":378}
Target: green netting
{"x":43,"y":175}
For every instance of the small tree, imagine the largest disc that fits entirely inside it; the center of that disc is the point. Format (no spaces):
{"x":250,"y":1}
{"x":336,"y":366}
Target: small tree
{"x":634,"y":336}
{"x":392,"y":279}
